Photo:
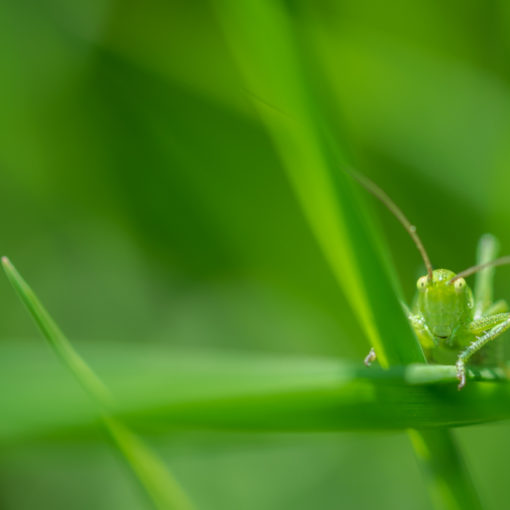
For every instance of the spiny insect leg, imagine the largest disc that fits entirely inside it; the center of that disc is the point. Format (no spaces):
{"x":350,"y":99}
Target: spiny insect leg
{"x":487,"y":322}
{"x":370,"y":357}
{"x":500,"y":306}
{"x":422,"y":332}
{"x":504,"y":324}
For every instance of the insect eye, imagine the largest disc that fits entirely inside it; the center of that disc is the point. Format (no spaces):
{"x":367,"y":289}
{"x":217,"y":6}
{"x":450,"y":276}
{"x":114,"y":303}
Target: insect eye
{"x":422,"y":283}
{"x":460,"y":284}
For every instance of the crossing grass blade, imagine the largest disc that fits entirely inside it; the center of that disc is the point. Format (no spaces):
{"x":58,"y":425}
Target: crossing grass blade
{"x":158,"y":483}
{"x":226,"y":391}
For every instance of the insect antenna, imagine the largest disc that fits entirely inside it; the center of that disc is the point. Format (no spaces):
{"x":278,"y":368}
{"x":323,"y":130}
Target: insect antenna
{"x":474,"y":269}
{"x":395,"y":210}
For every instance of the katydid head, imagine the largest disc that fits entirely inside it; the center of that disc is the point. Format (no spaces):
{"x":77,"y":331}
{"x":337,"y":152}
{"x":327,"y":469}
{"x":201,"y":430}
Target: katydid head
{"x":445,"y":301}
{"x":444,"y":305}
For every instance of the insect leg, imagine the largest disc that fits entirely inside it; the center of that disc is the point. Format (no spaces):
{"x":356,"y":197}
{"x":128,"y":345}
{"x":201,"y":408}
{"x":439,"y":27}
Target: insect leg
{"x":416,"y":323}
{"x":500,"y":306}
{"x":370,"y":357}
{"x":486,"y":323}
{"x":494,"y":332}
{"x":423,"y":334}
{"x":487,"y":251}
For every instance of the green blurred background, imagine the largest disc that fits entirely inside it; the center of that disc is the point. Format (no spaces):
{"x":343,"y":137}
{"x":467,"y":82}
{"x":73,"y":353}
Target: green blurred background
{"x":142,"y":198}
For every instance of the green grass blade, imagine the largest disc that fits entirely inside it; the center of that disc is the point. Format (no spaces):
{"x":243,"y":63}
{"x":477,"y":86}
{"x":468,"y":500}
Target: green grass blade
{"x":85,"y":376}
{"x":152,"y":474}
{"x":175,"y":390}
{"x":262,"y":37}
{"x":328,"y":396}
{"x":442,"y":462}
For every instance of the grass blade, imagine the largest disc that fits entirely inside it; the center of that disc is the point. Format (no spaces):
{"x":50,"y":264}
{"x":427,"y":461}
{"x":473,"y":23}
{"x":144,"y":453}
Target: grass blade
{"x":225,"y":391}
{"x":262,"y":37}
{"x":152,"y":474}
{"x":441,"y":461}
{"x":85,"y":376}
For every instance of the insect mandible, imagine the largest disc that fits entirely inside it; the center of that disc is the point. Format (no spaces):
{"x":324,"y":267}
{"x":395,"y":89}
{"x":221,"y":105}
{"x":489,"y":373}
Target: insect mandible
{"x":453,"y":323}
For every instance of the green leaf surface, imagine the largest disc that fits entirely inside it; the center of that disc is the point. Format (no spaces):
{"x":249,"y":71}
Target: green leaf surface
{"x":226,"y":391}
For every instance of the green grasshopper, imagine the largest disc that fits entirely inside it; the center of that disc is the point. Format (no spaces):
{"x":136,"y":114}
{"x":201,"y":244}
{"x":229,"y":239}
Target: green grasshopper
{"x":452,"y":323}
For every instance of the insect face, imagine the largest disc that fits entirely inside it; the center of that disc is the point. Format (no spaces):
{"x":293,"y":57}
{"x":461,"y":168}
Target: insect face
{"x":444,"y":305}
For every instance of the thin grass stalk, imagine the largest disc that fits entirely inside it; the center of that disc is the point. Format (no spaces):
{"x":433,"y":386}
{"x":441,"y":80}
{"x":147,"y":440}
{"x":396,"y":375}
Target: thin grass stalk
{"x":158,"y":482}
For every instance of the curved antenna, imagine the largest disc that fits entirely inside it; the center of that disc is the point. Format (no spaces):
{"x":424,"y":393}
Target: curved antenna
{"x":395,"y":210}
{"x":474,"y":269}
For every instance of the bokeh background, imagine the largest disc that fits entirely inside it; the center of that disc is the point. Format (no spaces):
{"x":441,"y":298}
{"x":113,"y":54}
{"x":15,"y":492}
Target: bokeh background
{"x":143,"y":200}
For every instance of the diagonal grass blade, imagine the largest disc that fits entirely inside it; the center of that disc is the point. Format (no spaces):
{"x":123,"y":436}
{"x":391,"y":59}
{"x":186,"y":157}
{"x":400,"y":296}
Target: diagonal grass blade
{"x":159,"y":484}
{"x":263,"y":37}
